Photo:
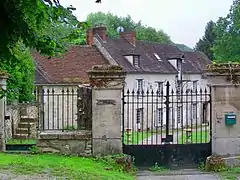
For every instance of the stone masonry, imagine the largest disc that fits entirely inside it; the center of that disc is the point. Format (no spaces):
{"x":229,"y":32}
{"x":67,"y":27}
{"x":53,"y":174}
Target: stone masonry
{"x":3,"y":78}
{"x":67,"y":143}
{"x":107,"y":82}
{"x":225,"y":99}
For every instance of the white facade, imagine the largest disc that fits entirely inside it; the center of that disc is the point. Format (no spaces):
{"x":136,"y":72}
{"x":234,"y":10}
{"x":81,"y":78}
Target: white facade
{"x":150,"y":110}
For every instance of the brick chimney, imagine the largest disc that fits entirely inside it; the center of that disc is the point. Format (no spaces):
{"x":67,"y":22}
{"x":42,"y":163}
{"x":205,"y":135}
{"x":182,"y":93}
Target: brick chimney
{"x":129,"y":37}
{"x":101,"y":31}
{"x":89,"y":37}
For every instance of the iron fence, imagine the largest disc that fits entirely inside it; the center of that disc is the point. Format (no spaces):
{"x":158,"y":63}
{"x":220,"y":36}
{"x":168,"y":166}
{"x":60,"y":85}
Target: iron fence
{"x":64,"y":108}
{"x":167,"y":116}
{"x":58,"y":108}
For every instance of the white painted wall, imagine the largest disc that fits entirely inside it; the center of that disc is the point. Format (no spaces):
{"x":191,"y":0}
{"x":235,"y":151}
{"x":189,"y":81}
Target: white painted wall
{"x":59,"y":109}
{"x":150,"y":108}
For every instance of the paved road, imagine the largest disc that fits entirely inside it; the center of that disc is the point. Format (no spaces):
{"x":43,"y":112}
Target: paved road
{"x":180,"y":177}
{"x":177,"y":175}
{"x":8,"y":175}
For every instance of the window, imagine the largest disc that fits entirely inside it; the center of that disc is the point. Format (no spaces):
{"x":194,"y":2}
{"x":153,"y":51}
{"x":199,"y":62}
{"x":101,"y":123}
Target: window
{"x":139,"y":115}
{"x":160,"y":87}
{"x":159,"y":117}
{"x":157,"y":56}
{"x":194,"y":86}
{"x":194,"y":103}
{"x":194,"y":112}
{"x":136,"y":61}
{"x":204,"y":112}
{"x":140,"y":85}
{"x":178,"y":92}
{"x":179,"y":114}
{"x":171,"y":117}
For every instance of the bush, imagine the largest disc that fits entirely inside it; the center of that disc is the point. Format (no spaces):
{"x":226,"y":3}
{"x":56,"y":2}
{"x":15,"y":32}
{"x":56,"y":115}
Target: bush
{"x":215,"y":163}
{"x":124,"y":162}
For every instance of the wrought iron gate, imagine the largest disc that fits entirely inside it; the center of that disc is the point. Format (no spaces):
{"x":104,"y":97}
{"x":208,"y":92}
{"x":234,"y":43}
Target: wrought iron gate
{"x":171,"y":127}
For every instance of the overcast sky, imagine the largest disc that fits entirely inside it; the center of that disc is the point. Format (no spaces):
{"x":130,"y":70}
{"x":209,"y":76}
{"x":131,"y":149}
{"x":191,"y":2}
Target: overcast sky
{"x":183,"y":20}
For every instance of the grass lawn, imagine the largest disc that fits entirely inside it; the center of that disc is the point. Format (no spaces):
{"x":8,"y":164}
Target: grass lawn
{"x":231,"y":174}
{"x":197,"y":137}
{"x":66,"y":167}
{"x":21,"y":141}
{"x":137,"y":137}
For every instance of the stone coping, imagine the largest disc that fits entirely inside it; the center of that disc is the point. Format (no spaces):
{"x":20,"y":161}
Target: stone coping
{"x":67,"y":135}
{"x":220,"y":74}
{"x":106,"y":74}
{"x":232,"y":161}
{"x":106,"y":67}
{"x":106,"y":71}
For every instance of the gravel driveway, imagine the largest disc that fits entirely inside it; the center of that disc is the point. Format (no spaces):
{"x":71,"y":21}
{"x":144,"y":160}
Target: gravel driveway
{"x":7,"y":175}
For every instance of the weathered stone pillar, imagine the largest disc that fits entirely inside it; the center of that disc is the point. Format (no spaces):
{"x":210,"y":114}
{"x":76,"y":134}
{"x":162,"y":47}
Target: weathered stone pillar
{"x":3,"y":78}
{"x":107,"y":82}
{"x":225,"y":104}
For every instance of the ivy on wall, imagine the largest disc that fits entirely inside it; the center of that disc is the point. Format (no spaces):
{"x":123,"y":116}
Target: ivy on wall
{"x":231,"y":70}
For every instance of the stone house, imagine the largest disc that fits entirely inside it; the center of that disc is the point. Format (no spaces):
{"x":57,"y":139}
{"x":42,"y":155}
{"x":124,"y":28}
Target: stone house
{"x":58,"y":80}
{"x":149,"y":66}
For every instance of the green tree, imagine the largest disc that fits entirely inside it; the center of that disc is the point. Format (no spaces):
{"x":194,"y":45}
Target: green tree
{"x":21,"y":74}
{"x":206,"y":43}
{"x":142,"y":32}
{"x":43,"y":25}
{"x":68,"y":32}
{"x":27,"y":20}
{"x":227,"y":32}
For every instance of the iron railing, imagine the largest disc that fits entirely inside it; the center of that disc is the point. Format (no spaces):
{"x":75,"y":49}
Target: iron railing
{"x":171,"y":116}
{"x":61,"y":108}
{"x":65,"y":109}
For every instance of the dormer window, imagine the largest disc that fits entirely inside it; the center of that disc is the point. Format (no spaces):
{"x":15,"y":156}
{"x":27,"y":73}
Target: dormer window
{"x":179,"y":64}
{"x":157,"y":56}
{"x":136,"y":61}
{"x":173,"y":62}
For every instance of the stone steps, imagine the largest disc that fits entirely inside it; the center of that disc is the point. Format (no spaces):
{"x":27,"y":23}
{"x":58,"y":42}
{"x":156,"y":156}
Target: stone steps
{"x":24,"y":124}
{"x":22,"y":131}
{"x":28,"y":120}
{"x":20,"y":136}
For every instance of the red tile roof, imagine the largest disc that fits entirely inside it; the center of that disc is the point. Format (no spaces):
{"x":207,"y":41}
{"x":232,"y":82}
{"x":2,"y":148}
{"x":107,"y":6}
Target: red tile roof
{"x":72,"y":67}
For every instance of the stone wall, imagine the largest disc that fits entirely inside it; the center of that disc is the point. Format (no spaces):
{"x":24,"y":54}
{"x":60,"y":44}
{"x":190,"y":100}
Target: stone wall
{"x":105,"y":136}
{"x":17,"y":112}
{"x":12,"y":112}
{"x":74,"y":143}
{"x":107,"y":83}
{"x":225,"y":99}
{"x":3,"y":83}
